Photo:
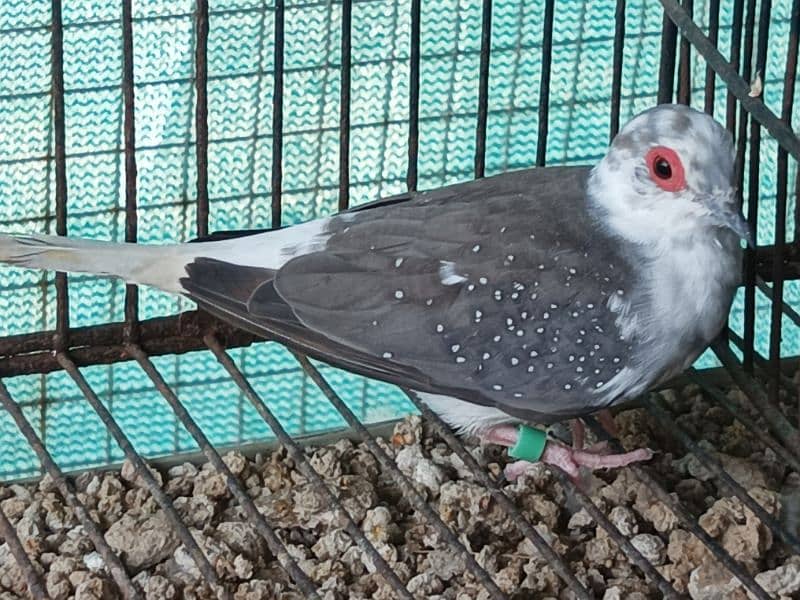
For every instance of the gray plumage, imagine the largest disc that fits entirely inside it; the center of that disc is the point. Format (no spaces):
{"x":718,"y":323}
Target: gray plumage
{"x":522,"y":324}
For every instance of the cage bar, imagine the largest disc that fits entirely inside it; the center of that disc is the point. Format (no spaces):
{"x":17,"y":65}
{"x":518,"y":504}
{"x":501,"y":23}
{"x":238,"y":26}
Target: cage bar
{"x":344,"y":106}
{"x":554,"y":560}
{"x":685,"y":62}
{"x":483,"y":88}
{"x":616,"y":70}
{"x":419,"y":503}
{"x":684,"y":516}
{"x":201,"y":113}
{"x":544,"y":83}
{"x":277,"y":117}
{"x":9,"y":535}
{"x":142,"y":470}
{"x":65,"y":487}
{"x":413,"y":99}
{"x":129,"y":129}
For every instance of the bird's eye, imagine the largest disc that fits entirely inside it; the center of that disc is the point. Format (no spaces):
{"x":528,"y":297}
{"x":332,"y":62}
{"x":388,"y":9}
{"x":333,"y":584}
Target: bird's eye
{"x":666,"y":169}
{"x":661,"y":168}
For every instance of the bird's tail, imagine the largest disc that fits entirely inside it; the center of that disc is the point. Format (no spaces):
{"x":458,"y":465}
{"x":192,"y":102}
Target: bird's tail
{"x":158,"y":266}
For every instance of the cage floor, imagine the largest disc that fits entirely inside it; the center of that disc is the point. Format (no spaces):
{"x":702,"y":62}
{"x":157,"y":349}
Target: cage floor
{"x":137,"y":530}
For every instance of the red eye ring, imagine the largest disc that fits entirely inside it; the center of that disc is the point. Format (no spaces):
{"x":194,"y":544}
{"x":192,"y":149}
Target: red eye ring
{"x":666,"y":169}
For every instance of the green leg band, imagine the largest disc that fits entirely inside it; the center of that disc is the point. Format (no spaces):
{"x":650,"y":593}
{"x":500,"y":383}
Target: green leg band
{"x":530,"y":444}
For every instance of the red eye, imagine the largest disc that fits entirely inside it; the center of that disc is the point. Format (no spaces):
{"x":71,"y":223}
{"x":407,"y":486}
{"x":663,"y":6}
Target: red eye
{"x":666,"y":169}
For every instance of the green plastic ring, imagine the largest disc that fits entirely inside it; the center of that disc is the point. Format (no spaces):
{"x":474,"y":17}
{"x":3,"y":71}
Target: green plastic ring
{"x":530,"y":444}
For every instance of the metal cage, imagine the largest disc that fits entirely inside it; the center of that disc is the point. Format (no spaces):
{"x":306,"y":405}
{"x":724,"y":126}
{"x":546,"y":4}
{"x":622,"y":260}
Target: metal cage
{"x":767,"y":268}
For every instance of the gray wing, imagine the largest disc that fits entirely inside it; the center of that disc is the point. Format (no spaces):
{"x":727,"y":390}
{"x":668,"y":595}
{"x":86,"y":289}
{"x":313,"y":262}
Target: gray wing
{"x":495,"y":291}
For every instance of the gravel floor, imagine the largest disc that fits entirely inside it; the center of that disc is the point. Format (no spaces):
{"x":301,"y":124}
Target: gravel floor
{"x":137,"y":529}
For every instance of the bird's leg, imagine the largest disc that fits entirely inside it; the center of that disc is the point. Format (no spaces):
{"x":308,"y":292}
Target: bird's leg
{"x":578,"y":434}
{"x":606,"y":420}
{"x":557,"y":454}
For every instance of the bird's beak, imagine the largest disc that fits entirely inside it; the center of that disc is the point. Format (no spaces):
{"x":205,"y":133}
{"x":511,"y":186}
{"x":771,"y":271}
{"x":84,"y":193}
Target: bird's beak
{"x":728,"y":215}
{"x":734,"y":221}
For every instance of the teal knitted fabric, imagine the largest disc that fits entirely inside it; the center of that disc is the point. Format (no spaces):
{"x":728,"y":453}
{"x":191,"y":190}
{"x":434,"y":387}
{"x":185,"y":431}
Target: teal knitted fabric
{"x":240,"y":63}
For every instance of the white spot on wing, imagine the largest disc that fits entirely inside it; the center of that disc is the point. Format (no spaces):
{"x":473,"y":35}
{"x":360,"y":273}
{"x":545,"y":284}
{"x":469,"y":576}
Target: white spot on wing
{"x":448,"y":275}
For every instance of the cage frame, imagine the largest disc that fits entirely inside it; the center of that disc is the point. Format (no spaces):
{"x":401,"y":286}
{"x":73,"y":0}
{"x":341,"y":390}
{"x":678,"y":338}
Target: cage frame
{"x":69,"y":349}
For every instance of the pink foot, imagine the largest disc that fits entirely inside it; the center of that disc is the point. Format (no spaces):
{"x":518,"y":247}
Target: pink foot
{"x":568,"y":459}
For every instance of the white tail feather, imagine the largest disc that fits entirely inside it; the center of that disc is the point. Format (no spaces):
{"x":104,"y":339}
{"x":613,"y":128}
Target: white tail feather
{"x":158,"y":266}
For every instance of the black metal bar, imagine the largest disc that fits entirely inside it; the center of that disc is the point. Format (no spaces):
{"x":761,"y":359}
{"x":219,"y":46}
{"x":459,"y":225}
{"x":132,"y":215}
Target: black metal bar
{"x":255,"y":517}
{"x":741,"y":145}
{"x":656,"y":407}
{"x":740,"y":413}
{"x":413,"y":99}
{"x":666,"y":69}
{"x":113,"y":563}
{"x":777,"y":422}
{"x":163,"y":500}
{"x":754,"y":185}
{"x":736,"y":43}
{"x":131,"y":215}
{"x":616,"y":70}
{"x":633,"y":555}
{"x":555,"y":561}
{"x":9,"y":535}
{"x":201,"y":113}
{"x":684,"y":517}
{"x":544,"y":83}
{"x":483,"y":89}
{"x":740,"y":88}
{"x":762,"y":363}
{"x":277,"y":118}
{"x":713,"y":36}
{"x":417,"y":501}
{"x":60,"y":156}
{"x":781,"y":193}
{"x":685,"y":62}
{"x":344,"y":106}
{"x":298,"y":456}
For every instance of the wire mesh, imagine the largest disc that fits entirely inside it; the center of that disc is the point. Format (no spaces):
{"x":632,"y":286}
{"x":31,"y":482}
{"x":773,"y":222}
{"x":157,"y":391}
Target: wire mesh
{"x":72,"y":349}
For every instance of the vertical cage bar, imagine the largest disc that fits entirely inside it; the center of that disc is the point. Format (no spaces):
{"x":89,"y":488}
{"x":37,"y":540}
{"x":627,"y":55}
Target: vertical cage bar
{"x":616,"y":76}
{"x":666,"y":69}
{"x":685,"y":62}
{"x":60,"y":156}
{"x":201,"y":113}
{"x":163,"y":500}
{"x":544,"y":83}
{"x":344,"y":106}
{"x":775,"y":419}
{"x":754,"y":184}
{"x":67,"y":490}
{"x":277,"y":118}
{"x":483,"y":89}
{"x":741,"y":147}
{"x":736,"y":44}
{"x":9,"y":535}
{"x":413,"y":96}
{"x":782,"y":188}
{"x":129,"y":128}
{"x":713,"y":35}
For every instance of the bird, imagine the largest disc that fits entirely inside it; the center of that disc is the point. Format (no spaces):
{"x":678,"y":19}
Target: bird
{"x":526,"y":298}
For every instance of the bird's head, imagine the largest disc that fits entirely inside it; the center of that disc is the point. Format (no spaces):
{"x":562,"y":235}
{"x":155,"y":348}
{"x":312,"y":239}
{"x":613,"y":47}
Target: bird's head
{"x":669,"y":174}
